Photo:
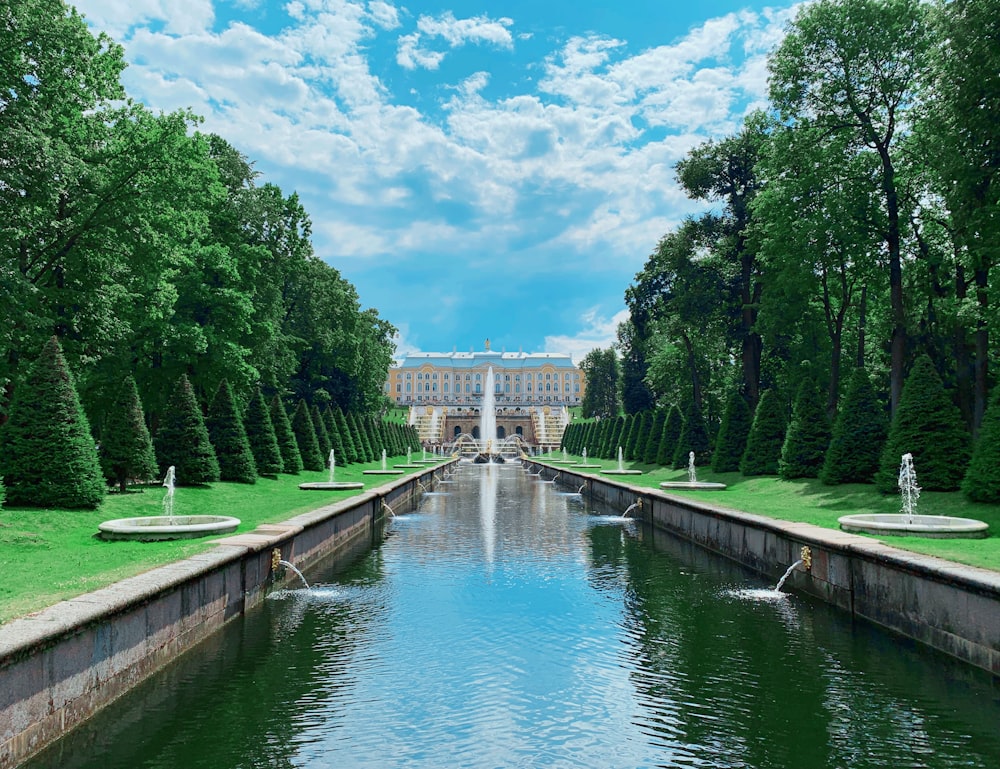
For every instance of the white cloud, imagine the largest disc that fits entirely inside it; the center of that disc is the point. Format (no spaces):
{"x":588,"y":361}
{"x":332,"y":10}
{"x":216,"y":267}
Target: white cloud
{"x":117,"y":17}
{"x":413,"y":50}
{"x":596,"y":331}
{"x":383,"y":14}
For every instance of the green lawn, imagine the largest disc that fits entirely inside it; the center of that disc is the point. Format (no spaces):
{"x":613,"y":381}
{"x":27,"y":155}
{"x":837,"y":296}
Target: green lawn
{"x":49,"y":555}
{"x":809,"y":501}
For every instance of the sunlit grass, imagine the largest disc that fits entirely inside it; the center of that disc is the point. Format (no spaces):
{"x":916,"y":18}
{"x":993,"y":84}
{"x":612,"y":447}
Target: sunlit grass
{"x":50,"y":555}
{"x":809,"y":501}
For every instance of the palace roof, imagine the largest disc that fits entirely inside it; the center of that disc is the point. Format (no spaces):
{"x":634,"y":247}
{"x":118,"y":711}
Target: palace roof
{"x":502,"y":360}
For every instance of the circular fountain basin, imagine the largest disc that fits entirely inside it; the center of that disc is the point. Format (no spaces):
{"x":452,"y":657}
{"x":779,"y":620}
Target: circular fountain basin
{"x":382,"y":472}
{"x":586,"y":465}
{"x":331,"y":485}
{"x":900,"y":525}
{"x":159,"y":527}
{"x":693,"y":485}
{"x":408,"y":466}
{"x":621,"y":472}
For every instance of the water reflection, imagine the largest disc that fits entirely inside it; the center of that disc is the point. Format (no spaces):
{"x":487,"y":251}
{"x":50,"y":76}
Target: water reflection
{"x":506,"y":624}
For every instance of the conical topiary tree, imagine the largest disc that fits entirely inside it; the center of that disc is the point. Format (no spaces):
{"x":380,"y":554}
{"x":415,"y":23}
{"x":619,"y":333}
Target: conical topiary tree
{"x":767,"y":436}
{"x":693,"y":437}
{"x":47,"y":454}
{"x":929,"y":426}
{"x":182,"y":439}
{"x":350,"y":449}
{"x":640,"y":435}
{"x":731,"y":441}
{"x":672,"y":427}
{"x":615,"y":439}
{"x":333,"y":431}
{"x":305,"y":437}
{"x":631,"y":423}
{"x":229,"y":438}
{"x":322,"y":436}
{"x":364,"y":447}
{"x":807,"y":437}
{"x":858,"y":435}
{"x":653,"y":437}
{"x":982,"y":479}
{"x":126,"y":447}
{"x":291,"y":459}
{"x":261,"y":437}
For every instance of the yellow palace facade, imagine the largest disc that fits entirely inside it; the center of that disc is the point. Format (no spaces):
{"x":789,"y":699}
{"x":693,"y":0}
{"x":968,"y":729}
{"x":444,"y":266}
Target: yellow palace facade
{"x":531,"y":391}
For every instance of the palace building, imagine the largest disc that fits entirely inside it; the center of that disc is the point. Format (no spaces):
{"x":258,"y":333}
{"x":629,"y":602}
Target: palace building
{"x":445,"y":393}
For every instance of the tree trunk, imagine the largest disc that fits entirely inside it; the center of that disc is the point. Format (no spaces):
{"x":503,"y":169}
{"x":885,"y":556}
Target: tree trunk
{"x":982,"y":341}
{"x":897,"y":344}
{"x":862,"y":322}
{"x":695,"y":378}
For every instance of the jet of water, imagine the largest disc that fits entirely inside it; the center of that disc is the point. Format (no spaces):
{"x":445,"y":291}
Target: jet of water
{"x":908,"y":488}
{"x":168,"y":499}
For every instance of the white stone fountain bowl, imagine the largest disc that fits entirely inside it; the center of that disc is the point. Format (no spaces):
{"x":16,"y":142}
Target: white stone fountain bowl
{"x":900,"y":525}
{"x":693,"y":485}
{"x":331,"y":485}
{"x":159,"y":527}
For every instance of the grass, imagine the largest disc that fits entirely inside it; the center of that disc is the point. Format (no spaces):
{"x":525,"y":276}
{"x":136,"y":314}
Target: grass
{"x":809,"y":501}
{"x":47,"y":556}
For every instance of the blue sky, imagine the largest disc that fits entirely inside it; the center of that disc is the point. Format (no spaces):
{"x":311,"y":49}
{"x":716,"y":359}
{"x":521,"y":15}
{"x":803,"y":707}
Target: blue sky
{"x":476,"y":169}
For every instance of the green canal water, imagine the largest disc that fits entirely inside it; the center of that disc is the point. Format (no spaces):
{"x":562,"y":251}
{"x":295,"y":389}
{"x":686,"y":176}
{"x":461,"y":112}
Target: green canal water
{"x":505,"y":623}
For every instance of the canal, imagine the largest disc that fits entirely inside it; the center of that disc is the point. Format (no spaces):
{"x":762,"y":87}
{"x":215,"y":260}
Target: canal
{"x":503,"y":622}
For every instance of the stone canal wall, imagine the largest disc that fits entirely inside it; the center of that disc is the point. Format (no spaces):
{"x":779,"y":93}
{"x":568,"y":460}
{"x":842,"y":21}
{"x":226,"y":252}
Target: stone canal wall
{"x":61,"y":665}
{"x":948,"y":606}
